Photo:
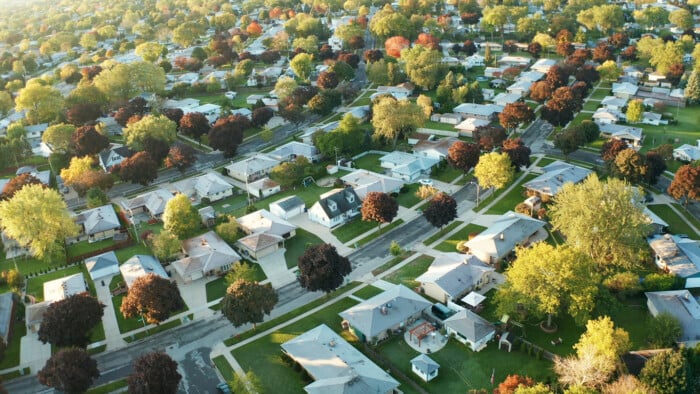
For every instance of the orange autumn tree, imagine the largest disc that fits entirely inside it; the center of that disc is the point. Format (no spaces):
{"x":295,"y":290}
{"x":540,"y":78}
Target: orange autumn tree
{"x":394,"y":45}
{"x":512,"y":382}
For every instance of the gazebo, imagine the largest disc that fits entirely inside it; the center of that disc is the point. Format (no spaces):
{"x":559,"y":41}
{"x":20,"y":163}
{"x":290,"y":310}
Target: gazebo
{"x":474,"y":300}
{"x":421,"y":331}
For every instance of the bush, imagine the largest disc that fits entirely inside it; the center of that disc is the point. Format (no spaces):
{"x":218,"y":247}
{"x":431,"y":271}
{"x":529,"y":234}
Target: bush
{"x":660,"y":282}
{"x":395,"y":248}
{"x":664,"y":331}
{"x":623,"y":284}
{"x":523,"y":347}
{"x":206,"y":201}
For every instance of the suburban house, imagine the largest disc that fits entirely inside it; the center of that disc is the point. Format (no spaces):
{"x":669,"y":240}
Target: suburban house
{"x":141,"y":265}
{"x":363,"y":182}
{"x":96,"y":224}
{"x":520,"y":88}
{"x":652,"y":118}
{"x":514,"y":61}
{"x":288,"y":207}
{"x":555,"y":176}
{"x":335,"y":207}
{"x":614,"y":103}
{"x":604,"y":116}
{"x":683,"y":306}
{"x":54,"y":290}
{"x":470,"y":329}
{"x":113,"y":155}
{"x":335,"y":365}
{"x":687,"y":153}
{"x":210,"y":185}
{"x":437,"y":149}
{"x":624,"y":90}
{"x":263,"y":188}
{"x":151,"y":203}
{"x":633,"y":136}
{"x":205,"y":255}
{"x":543,"y":65}
{"x":102,"y":266}
{"x":468,"y":126}
{"x":252,"y":168}
{"x":658,"y":225}
{"x":400,"y":92}
{"x":504,"y":99}
{"x":479,"y":111}
{"x":7,"y":315}
{"x":678,"y":256}
{"x":294,"y":149}
{"x":211,"y":111}
{"x":372,"y":320}
{"x":532,"y":76}
{"x":453,"y":275}
{"x":474,"y":60}
{"x":500,"y":239}
{"x":406,"y":166}
{"x":262,"y":221}
{"x":425,"y":367}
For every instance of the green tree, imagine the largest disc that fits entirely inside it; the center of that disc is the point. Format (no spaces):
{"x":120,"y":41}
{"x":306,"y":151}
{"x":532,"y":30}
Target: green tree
{"x":165,"y":245}
{"x":302,"y":65}
{"x":149,"y":51}
{"x":388,"y":23}
{"x":229,"y":230}
{"x":248,"y":302}
{"x":150,"y":126}
{"x":665,"y":56}
{"x":612,"y":231}
{"x":58,"y":137}
{"x":37,"y":218}
{"x":394,"y":119}
{"x":664,"y":331}
{"x":494,"y":170}
{"x":123,"y":82}
{"x":284,"y":87}
{"x":43,"y":103}
{"x":630,"y":166}
{"x":241,"y":271}
{"x":651,"y":17}
{"x":692,"y":88}
{"x":682,"y":18}
{"x":666,"y":372}
{"x":180,"y":217}
{"x":6,"y":102}
{"x":635,"y":109}
{"x":609,"y":71}
{"x":96,"y":197}
{"x":186,"y":33}
{"x":546,"y":280}
{"x":423,"y":66}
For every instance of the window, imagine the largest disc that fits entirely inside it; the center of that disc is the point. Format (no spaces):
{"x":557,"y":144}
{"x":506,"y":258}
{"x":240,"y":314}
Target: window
{"x":332,"y":205}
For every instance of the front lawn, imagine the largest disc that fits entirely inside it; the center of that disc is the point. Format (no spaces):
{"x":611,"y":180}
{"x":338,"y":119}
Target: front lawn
{"x":297,"y":245}
{"x":35,"y":285}
{"x":216,"y":288}
{"x":125,"y":325}
{"x":382,"y":230}
{"x":127,"y":253}
{"x":443,"y":232}
{"x":450,"y":245}
{"x":446,"y":174}
{"x":368,"y":292}
{"x":515,"y":196}
{"x":676,"y":224}
{"x":19,"y":329}
{"x":369,"y":162}
{"x":600,"y":94}
{"x":407,"y":198}
{"x":409,"y":272}
{"x":353,"y":229}
{"x":224,"y":368}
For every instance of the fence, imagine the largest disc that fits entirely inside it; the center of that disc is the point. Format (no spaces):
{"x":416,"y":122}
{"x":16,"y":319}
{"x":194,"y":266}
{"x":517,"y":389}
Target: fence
{"x":117,"y":245}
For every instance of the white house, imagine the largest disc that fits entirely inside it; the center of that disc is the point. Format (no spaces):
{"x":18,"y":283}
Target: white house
{"x":510,"y":230}
{"x":288,"y":207}
{"x":113,"y":155}
{"x":504,"y":99}
{"x":96,"y":224}
{"x":555,"y":176}
{"x":679,"y":256}
{"x":624,"y":90}
{"x":151,"y":203}
{"x":531,"y":75}
{"x":520,"y":87}
{"x":263,"y":188}
{"x":335,"y":207}
{"x":604,"y":116}
{"x":210,"y":185}
{"x":406,"y":166}
{"x":514,"y":61}
{"x":54,"y":290}
{"x":653,"y":119}
{"x":687,"y":153}
{"x":479,"y":111}
{"x":470,"y":329}
{"x":425,"y":367}
{"x":252,"y":168}
{"x":290,"y":151}
{"x":543,"y":65}
{"x":102,"y":266}
{"x":474,"y":60}
{"x":364,"y":181}
{"x":141,"y":265}
{"x":400,"y":92}
{"x":452,"y":275}
{"x":206,"y":255}
{"x":435,"y":149}
{"x":614,"y":103}
{"x":469,"y":125}
{"x":633,"y":136}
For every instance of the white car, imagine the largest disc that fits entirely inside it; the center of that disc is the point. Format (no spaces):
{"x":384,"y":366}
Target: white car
{"x":427,"y":182}
{"x":230,"y":95}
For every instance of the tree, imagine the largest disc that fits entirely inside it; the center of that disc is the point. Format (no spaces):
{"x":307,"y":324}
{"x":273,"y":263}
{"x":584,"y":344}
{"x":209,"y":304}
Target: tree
{"x":324,"y":102}
{"x":629,"y":165}
{"x":540,"y":91}
{"x":665,"y":56}
{"x":68,"y":322}
{"x":556,"y":77}
{"x":194,"y":124}
{"x":37,"y":218}
{"x":185,"y":34}
{"x":157,"y":127}
{"x":227,"y":134}
{"x":626,"y":384}
{"x":248,"y":302}
{"x":546,"y":280}
{"x":327,"y":80}
{"x":139,"y":168}
{"x":395,"y":45}
{"x":692,"y":88}
{"x":512,"y":382}
{"x":322,"y":268}
{"x":560,"y":109}
{"x":302,"y":65}
{"x":58,"y":137}
{"x":261,"y":116}
{"x":42,"y":103}
{"x":6,"y":102}
{"x":379,"y":207}
{"x":241,"y":270}
{"x":69,"y":370}
{"x":152,"y":297}
{"x":604,"y":340}
{"x":393,"y":119}
{"x":463,"y":155}
{"x":441,"y":209}
{"x":654,"y":166}
{"x":666,"y":372}
{"x":165,"y":245}
{"x":284,"y":87}
{"x":635,"y":108}
{"x":664,"y":331}
{"x":514,"y":114}
{"x":180,"y":156}
{"x":518,"y":153}
{"x":291,"y":172}
{"x":158,"y":149}
{"x":154,"y":372}
{"x":180,"y":217}
{"x":149,"y":51}
{"x":611,"y":148}
{"x":423,"y":66}
{"x":96,"y":197}
{"x":17,"y":183}
{"x":494,"y":170}
{"x":682,"y":18}
{"x":612,"y":231}
{"x":121,"y":82}
{"x":86,"y":140}
{"x":686,"y":184}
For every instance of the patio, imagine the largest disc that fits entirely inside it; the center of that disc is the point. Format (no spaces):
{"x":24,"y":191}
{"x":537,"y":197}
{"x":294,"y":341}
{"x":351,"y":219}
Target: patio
{"x":423,"y":337}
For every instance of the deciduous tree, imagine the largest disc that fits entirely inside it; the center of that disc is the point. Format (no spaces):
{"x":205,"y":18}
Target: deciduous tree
{"x":463,"y":155}
{"x":139,"y":168}
{"x":423,"y":66}
{"x":302,"y":65}
{"x":686,"y":184}
{"x":441,"y":209}
{"x":86,"y":140}
{"x":518,"y":152}
{"x":124,"y":81}
{"x":165,"y":245}
{"x":152,"y":297}
{"x":71,"y":371}
{"x":68,"y":322}
{"x":43,"y":103}
{"x":248,"y":302}
{"x":17,"y":183}
{"x":379,"y":207}
{"x":180,"y":156}
{"x":227,"y":134}
{"x":394,"y":119}
{"x":180,"y":217}
{"x":664,"y":331}
{"x":630,"y":166}
{"x":514,"y":114}
{"x":150,"y":126}
{"x":194,"y":124}
{"x":322,"y":268}
{"x":154,"y":372}
{"x":512,"y":382}
{"x":261,"y":116}
{"x":666,"y":372}
{"x":635,"y":108}
{"x":494,"y":170}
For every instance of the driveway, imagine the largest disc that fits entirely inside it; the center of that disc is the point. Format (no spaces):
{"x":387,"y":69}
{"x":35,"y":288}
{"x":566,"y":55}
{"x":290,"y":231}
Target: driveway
{"x":275,"y":267}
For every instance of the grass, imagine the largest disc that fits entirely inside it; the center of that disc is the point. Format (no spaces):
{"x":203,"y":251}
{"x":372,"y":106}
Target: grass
{"x":154,"y":330}
{"x":508,"y":201}
{"x":408,"y":198}
{"x":14,"y":374}
{"x":353,"y":229}
{"x":109,"y":387}
{"x":35,"y":285}
{"x":688,"y":215}
{"x":127,"y":253}
{"x":96,"y":350}
{"x":216,"y":288}
{"x":125,"y":325}
{"x":369,"y":162}
{"x":429,"y":124}
{"x":442,"y":232}
{"x":263,"y":355}
{"x":591,"y":106}
{"x":450,"y":245}
{"x":19,"y":329}
{"x":545,"y":161}
{"x":298,"y":244}
{"x":408,"y":273}
{"x":382,"y":230}
{"x":392,"y":263}
{"x":224,"y":367}
{"x":236,"y":205}
{"x":676,"y":223}
{"x":447,"y":174}
{"x":25,"y":265}
{"x":368,"y":292}
{"x":84,"y":247}
{"x":600,"y":93}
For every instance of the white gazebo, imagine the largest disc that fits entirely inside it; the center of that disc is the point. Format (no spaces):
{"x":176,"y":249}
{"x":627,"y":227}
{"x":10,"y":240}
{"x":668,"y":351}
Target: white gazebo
{"x":473,"y":299}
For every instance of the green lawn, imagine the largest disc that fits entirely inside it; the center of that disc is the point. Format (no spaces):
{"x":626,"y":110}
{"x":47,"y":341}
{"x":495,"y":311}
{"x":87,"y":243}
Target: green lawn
{"x":450,"y":245}
{"x":125,"y":325}
{"x":25,"y":265}
{"x":382,"y":230}
{"x":408,"y":198}
{"x":217,"y":288}
{"x":446,"y":174}
{"x":429,"y":124}
{"x":676,"y":224}
{"x":127,"y":253}
{"x":19,"y":329}
{"x":545,"y":161}
{"x":368,"y":292}
{"x":600,"y":93}
{"x":512,"y":198}
{"x":224,"y":367}
{"x":392,"y":263}
{"x":591,"y":105}
{"x":353,"y":229}
{"x":84,"y":247}
{"x":236,"y":205}
{"x":109,"y":388}
{"x":35,"y":285}
{"x":580,"y":117}
{"x":369,"y":162}
{"x":442,"y":232}
{"x":263,"y":355}
{"x":298,"y":244}
{"x":687,"y":215}
{"x":409,"y":272}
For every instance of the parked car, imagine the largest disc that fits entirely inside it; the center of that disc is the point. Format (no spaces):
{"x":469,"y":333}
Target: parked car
{"x":223,"y":388}
{"x":230,"y":95}
{"x":427,"y":182}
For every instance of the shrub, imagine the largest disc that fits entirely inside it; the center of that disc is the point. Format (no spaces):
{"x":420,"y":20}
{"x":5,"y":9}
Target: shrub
{"x":660,"y":282}
{"x":623,"y":284}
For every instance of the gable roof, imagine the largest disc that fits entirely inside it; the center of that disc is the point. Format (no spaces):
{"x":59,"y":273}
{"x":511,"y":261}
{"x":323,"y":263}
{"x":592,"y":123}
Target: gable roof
{"x":622,"y":132}
{"x":624,"y":88}
{"x":478,"y":109}
{"x":253,"y":164}
{"x":339,"y":201}
{"x":471,"y":124}
{"x":153,"y":201}
{"x":211,"y":183}
{"x":262,"y":221}
{"x":98,"y":219}
{"x":140,"y":265}
{"x":454,"y":272}
{"x":555,"y":176}
{"x":294,"y":148}
{"x":690,"y":151}
{"x":682,"y":305}
{"x":114,"y":155}
{"x":364,"y":182}
{"x":289,"y":203}
{"x":368,"y":316}
{"x":470,"y":325}
{"x":504,"y":234}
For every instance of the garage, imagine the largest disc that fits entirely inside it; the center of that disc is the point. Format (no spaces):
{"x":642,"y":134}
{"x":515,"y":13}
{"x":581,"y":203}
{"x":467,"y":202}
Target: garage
{"x":102,"y":266}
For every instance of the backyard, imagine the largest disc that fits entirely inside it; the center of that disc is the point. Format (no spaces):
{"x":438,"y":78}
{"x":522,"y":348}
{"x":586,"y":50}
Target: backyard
{"x":369,"y":162}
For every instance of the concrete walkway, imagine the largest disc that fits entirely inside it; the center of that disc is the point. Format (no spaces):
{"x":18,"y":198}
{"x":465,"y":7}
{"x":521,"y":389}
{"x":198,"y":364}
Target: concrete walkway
{"x":323,"y":232}
{"x":275,"y":267}
{"x":113,"y":338}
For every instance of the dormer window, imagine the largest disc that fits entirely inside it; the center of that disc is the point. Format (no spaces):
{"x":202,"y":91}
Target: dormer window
{"x":332,"y":205}
{"x":350,"y":198}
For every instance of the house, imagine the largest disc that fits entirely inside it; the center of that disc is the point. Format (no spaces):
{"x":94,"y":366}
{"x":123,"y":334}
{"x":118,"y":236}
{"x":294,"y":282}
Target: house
{"x":335,"y":207}
{"x":141,"y":265}
{"x":658,"y":225}
{"x":263,"y":188}
{"x":372,"y":319}
{"x":448,"y":118}
{"x":186,"y":104}
{"x":479,"y":111}
{"x":614,"y":103}
{"x":624,"y":90}
{"x":521,"y":88}
{"x":514,"y":61}
{"x":208,"y":216}
{"x":205,"y":255}
{"x":497,"y":83}
{"x":406,"y":166}
{"x":436,"y":149}
{"x":470,"y":329}
{"x":683,"y":306}
{"x":113,"y":155}
{"x":54,"y":290}
{"x":467,"y":128}
{"x":633,"y":136}
{"x":400,"y":91}
{"x":532,"y":76}
{"x":603,"y":116}
{"x":543,"y":65}
{"x":363,"y":182}
{"x":656,"y":76}
{"x":336,"y":366}
{"x":96,"y":224}
{"x":500,"y":239}
{"x":294,"y":149}
{"x":262,"y":221}
{"x":474,"y":60}
{"x":678,"y":256}
{"x":653,"y":119}
{"x":211,"y":111}
{"x":452,"y":275}
{"x":288,"y":207}
{"x":254,"y":98}
{"x":102,"y":266}
{"x":511,"y":97}
{"x":210,"y":185}
{"x":555,"y":176}
{"x":425,"y":367}
{"x":7,"y":315}
{"x":252,"y":168}
{"x":687,"y":153}
{"x":151,"y":203}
